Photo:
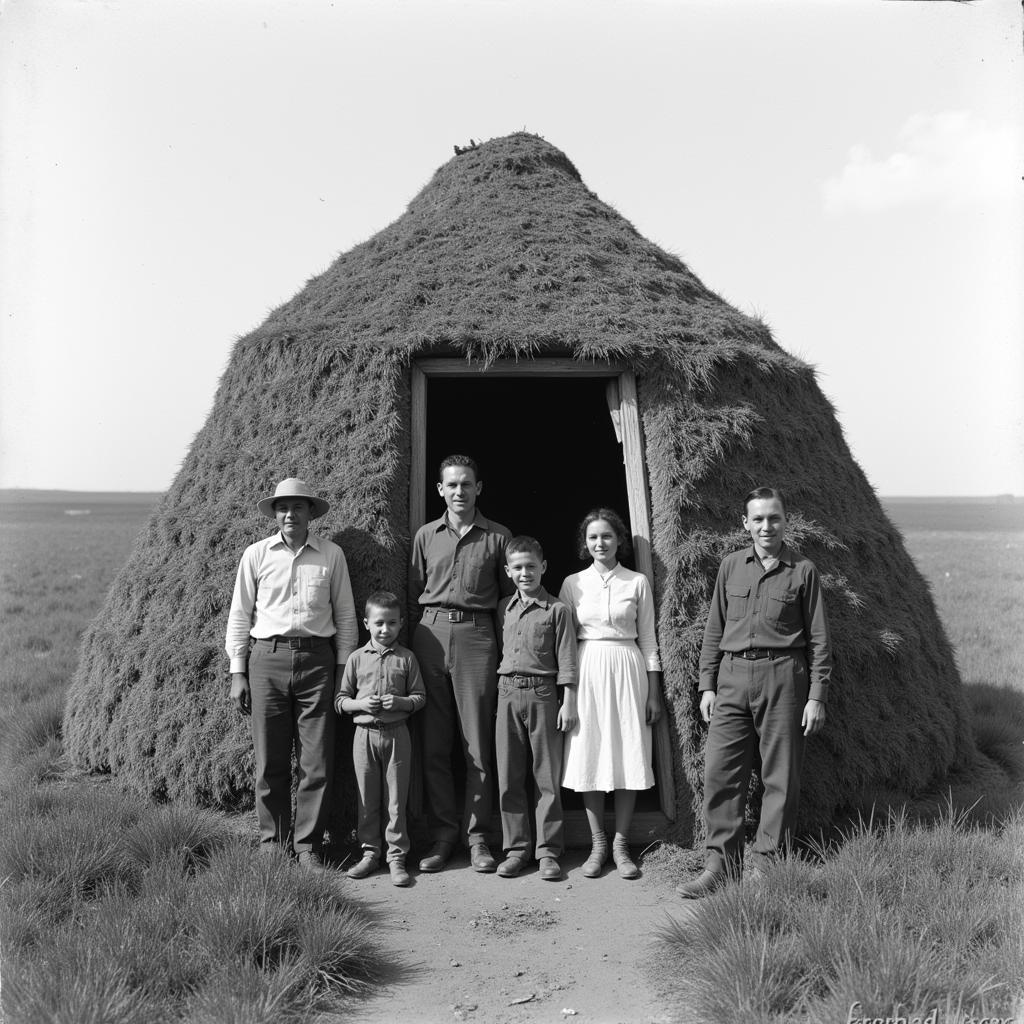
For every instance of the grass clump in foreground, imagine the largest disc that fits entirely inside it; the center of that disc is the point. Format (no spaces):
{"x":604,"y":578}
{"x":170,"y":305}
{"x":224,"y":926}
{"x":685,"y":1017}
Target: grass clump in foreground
{"x":903,"y":920}
{"x":116,"y":911}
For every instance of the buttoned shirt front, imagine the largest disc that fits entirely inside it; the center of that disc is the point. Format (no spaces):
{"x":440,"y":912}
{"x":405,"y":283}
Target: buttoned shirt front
{"x":616,"y":606}
{"x":279,"y":592}
{"x":464,"y":572}
{"x":538,"y":638}
{"x":781,"y":609}
{"x":379,"y":670}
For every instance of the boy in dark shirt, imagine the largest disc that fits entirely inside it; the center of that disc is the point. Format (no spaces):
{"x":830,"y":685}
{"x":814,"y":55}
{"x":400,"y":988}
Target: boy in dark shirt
{"x":382,"y":687}
{"x":538,"y":663}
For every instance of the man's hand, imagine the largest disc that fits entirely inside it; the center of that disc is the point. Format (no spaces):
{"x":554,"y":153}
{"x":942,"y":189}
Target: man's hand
{"x":392,"y":702}
{"x":707,"y":705}
{"x":814,"y":717}
{"x":240,"y":694}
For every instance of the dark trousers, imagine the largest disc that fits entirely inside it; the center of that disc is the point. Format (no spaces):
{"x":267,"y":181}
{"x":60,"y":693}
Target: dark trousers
{"x":382,"y":760}
{"x":759,"y":706}
{"x":527,"y":737}
{"x":459,"y":661}
{"x":292,"y":702}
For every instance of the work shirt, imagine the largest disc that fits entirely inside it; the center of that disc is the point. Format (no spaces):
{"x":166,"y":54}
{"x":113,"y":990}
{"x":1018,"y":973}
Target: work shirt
{"x":538,"y":638}
{"x":281,"y":593}
{"x":464,"y":572}
{"x":781,"y":609}
{"x":379,"y":670}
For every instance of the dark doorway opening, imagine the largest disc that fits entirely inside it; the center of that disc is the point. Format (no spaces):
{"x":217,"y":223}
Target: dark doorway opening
{"x":547,"y":453}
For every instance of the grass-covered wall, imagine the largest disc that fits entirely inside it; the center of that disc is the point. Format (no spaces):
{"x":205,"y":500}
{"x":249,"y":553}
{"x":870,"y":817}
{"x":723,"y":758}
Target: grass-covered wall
{"x":505,"y":253}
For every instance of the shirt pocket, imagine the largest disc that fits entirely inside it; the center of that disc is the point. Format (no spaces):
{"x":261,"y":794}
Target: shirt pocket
{"x":541,"y":637}
{"x":737,"y":599}
{"x":316,"y":588}
{"x":783,"y":611}
{"x":394,"y":680}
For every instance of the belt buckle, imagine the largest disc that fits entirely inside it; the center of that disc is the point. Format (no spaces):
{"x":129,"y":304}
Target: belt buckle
{"x":454,"y":615}
{"x":522,"y":682}
{"x":294,"y":642}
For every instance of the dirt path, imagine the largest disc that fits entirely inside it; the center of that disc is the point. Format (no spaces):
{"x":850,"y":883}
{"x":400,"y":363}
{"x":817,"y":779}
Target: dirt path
{"x":490,"y":950}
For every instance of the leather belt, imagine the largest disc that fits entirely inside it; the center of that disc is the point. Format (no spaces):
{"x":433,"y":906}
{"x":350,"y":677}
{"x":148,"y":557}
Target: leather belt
{"x":756,"y":653}
{"x":295,"y":643}
{"x":454,"y":614}
{"x":381,"y":726}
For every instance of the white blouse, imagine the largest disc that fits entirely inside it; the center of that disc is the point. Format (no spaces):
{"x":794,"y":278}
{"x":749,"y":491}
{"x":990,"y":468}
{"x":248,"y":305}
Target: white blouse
{"x":618,"y":606}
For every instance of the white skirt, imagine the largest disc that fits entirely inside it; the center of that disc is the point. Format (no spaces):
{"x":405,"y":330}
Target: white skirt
{"x":610,"y":747}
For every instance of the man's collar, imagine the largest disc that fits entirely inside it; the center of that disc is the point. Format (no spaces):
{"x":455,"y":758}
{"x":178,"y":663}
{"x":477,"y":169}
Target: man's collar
{"x":479,"y":519}
{"x":311,"y":541}
{"x":541,"y":598}
{"x":785,"y":556}
{"x":373,"y":647}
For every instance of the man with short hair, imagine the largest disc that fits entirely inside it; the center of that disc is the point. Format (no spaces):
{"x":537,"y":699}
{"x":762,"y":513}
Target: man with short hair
{"x":456,"y":577}
{"x":765,"y":667}
{"x":291,"y":628}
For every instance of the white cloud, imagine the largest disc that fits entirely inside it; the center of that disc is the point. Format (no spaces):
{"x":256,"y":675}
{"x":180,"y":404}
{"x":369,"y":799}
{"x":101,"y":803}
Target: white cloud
{"x":950,"y":158}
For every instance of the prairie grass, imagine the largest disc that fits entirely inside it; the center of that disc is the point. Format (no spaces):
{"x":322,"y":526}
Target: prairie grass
{"x":113,"y":909}
{"x":902,"y":918}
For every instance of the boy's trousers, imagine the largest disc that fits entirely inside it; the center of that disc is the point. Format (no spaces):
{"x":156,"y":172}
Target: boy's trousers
{"x":527,"y":739}
{"x":292,"y":691}
{"x":382,"y":757}
{"x":459,"y":662}
{"x":759,"y":706}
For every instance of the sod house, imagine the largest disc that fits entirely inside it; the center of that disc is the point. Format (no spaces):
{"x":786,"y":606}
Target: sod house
{"x":512,"y":315}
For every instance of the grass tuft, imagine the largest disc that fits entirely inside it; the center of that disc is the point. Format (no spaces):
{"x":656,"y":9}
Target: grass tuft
{"x":900,"y":917}
{"x":185,"y":832}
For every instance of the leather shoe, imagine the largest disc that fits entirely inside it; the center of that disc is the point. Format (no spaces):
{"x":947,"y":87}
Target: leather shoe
{"x":399,"y":876}
{"x":310,"y":860}
{"x":481,"y":859}
{"x":704,"y":884}
{"x":550,"y":869}
{"x":366,"y":867}
{"x":511,"y":865}
{"x":438,"y":856}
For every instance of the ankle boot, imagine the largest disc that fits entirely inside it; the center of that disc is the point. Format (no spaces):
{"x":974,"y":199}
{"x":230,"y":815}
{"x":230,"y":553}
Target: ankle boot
{"x":623,"y":861}
{"x":598,"y":855}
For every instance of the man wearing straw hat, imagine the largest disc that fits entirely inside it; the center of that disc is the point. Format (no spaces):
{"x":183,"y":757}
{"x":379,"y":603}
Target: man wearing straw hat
{"x":291,"y":628}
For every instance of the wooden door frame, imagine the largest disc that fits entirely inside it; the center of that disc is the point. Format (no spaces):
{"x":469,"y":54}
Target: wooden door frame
{"x":625,"y":413}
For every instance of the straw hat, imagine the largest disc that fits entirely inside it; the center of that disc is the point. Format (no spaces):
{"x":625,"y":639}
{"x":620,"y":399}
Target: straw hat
{"x":293,"y":487}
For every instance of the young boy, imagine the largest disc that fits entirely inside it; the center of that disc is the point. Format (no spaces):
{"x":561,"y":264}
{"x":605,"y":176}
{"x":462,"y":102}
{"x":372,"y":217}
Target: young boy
{"x":382,"y":687}
{"x":538,"y":664}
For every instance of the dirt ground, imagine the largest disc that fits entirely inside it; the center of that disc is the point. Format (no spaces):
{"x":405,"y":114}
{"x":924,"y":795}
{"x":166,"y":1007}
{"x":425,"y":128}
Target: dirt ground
{"x":490,"y":950}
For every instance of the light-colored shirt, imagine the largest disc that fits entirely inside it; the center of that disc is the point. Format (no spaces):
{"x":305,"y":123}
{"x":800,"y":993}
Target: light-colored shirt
{"x":781,"y":609}
{"x":281,"y":593}
{"x":538,"y":638}
{"x":379,"y":670}
{"x":619,"y":606}
{"x":450,"y":571}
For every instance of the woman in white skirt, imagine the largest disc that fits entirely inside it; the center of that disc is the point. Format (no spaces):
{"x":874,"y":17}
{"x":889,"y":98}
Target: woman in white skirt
{"x":619,"y":696}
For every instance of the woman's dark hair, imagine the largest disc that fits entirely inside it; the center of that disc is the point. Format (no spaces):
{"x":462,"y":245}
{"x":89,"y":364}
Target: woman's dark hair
{"x":614,"y":520}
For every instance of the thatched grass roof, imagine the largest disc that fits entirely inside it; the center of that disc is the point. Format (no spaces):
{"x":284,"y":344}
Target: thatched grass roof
{"x":505,"y":253}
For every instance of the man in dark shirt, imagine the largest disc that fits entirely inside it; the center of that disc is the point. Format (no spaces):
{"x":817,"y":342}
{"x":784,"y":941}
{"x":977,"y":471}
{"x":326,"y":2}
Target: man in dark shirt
{"x":765,"y":666}
{"x":456,"y":577}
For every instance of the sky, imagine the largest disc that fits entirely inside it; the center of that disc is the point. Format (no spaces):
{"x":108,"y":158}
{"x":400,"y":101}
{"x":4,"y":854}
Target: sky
{"x":848,"y":170}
